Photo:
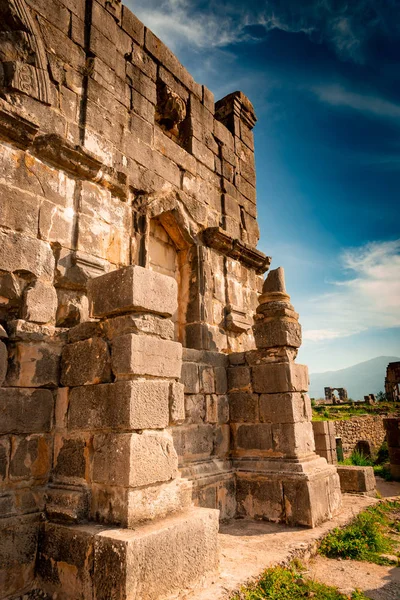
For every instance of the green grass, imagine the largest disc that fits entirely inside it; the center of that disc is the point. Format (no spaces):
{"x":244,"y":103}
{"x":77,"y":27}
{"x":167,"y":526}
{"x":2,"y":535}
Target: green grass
{"x":343,"y":412}
{"x":358,"y":459}
{"x":289,"y":584}
{"x":367,"y":537}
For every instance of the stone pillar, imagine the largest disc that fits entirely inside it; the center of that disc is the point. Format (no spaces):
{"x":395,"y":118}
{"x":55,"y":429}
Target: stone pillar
{"x":392,"y":428}
{"x":279,"y":476}
{"x":122,"y":373}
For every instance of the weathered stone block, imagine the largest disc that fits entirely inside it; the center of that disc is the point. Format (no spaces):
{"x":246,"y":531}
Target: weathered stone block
{"x":85,"y":363}
{"x":149,"y":324}
{"x":243,"y":407}
{"x":133,"y":354}
{"x":19,"y":538}
{"x":285,"y":408}
{"x":65,"y":559}
{"x":3,"y":362}
{"x":270,"y":334}
{"x":25,"y":410}
{"x":130,"y":507}
{"x":133,"y":289}
{"x":40,"y":303}
{"x":134,"y":460}
{"x":155,"y":560}
{"x":256,"y":437}
{"x":190,"y":377}
{"x":5,"y":451}
{"x":238,"y":378}
{"x":357,"y":480}
{"x":67,"y":505}
{"x":19,"y":253}
{"x":30,"y":457}
{"x":123,"y":405}
{"x":272,"y":378}
{"x":207,"y":379}
{"x":258,"y":496}
{"x":176,"y":403}
{"x":71,"y":464}
{"x":33,"y":364}
{"x":293,"y":439}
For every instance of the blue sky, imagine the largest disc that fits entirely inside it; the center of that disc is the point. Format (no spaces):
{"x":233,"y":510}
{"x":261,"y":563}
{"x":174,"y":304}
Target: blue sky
{"x":324,"y":79}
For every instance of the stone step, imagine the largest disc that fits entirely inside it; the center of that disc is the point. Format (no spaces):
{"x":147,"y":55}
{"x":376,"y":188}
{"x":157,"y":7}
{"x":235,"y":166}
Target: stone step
{"x":147,"y":563}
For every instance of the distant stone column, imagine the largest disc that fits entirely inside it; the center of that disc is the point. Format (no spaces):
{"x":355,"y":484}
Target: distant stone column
{"x":279,"y":476}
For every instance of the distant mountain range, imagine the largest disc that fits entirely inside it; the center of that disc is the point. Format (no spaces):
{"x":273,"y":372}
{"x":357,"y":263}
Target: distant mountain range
{"x":359,"y":380}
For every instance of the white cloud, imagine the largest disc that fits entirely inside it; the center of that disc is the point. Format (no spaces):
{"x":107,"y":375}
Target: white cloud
{"x":318,"y":335}
{"x":336,"y":95}
{"x":370,"y":298}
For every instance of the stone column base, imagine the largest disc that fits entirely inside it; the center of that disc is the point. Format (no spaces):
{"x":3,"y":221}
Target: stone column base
{"x":92,"y":562}
{"x":303,"y":492}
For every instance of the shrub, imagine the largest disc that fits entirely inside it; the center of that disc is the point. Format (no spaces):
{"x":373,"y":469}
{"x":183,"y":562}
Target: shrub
{"x":359,"y":459}
{"x":363,"y":539}
{"x":288,"y":584}
{"x":383,"y":454}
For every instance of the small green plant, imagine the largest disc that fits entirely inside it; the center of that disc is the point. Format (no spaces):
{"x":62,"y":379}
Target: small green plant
{"x":290,"y":584}
{"x":383,"y":471}
{"x":366,"y":538}
{"x":382,"y":454}
{"x":325,"y":414}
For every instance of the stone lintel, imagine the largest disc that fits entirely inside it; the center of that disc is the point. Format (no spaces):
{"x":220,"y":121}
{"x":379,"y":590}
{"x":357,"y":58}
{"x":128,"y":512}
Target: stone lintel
{"x":133,"y":289}
{"x":75,"y":160}
{"x":219,"y":240}
{"x":16,"y":126}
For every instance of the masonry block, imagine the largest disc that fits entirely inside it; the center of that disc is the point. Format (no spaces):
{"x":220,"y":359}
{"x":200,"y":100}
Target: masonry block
{"x":35,"y":364}
{"x":19,"y":539}
{"x":272,"y":378}
{"x":156,"y":559}
{"x":145,"y":355}
{"x":26,"y":410}
{"x":133,"y":289}
{"x":270,"y":334}
{"x":85,"y":363}
{"x":357,"y":480}
{"x":3,"y":362}
{"x":134,"y":460}
{"x":291,"y":407}
{"x":126,"y":405}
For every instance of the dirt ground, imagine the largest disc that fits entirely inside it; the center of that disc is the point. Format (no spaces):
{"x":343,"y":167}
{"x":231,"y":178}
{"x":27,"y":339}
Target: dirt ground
{"x":377,"y":582}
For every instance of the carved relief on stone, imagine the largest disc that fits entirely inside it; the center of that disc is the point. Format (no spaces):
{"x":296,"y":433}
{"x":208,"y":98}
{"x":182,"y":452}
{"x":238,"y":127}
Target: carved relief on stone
{"x":171,"y":109}
{"x":114,"y":7}
{"x":23,"y":60}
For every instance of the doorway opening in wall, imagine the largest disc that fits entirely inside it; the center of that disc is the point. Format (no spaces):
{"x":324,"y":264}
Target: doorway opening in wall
{"x":168,"y":253}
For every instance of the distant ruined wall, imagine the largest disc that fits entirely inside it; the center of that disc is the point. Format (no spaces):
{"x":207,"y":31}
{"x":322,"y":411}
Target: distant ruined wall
{"x":369,"y":428}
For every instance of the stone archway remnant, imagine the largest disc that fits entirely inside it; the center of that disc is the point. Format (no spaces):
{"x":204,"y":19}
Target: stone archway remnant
{"x":330,"y":395}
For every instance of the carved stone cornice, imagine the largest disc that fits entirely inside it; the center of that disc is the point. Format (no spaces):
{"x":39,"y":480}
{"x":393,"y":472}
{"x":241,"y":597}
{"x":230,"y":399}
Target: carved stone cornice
{"x":238,"y":105}
{"x":16,"y":126}
{"x":60,"y":153}
{"x":218,"y":239}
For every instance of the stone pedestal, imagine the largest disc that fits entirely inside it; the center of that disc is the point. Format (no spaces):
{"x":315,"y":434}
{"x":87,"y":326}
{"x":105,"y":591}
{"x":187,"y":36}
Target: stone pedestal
{"x":279,"y":475}
{"x":115,"y":461}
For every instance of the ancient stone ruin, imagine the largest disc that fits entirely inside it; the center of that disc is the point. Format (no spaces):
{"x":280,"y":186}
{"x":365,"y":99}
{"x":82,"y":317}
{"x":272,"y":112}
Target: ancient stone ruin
{"x":147,"y":390}
{"x":392,"y":382}
{"x":331,"y":398}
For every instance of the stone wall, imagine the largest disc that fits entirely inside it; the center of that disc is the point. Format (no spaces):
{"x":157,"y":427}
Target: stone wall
{"x":369,"y":428}
{"x":118,"y":171}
